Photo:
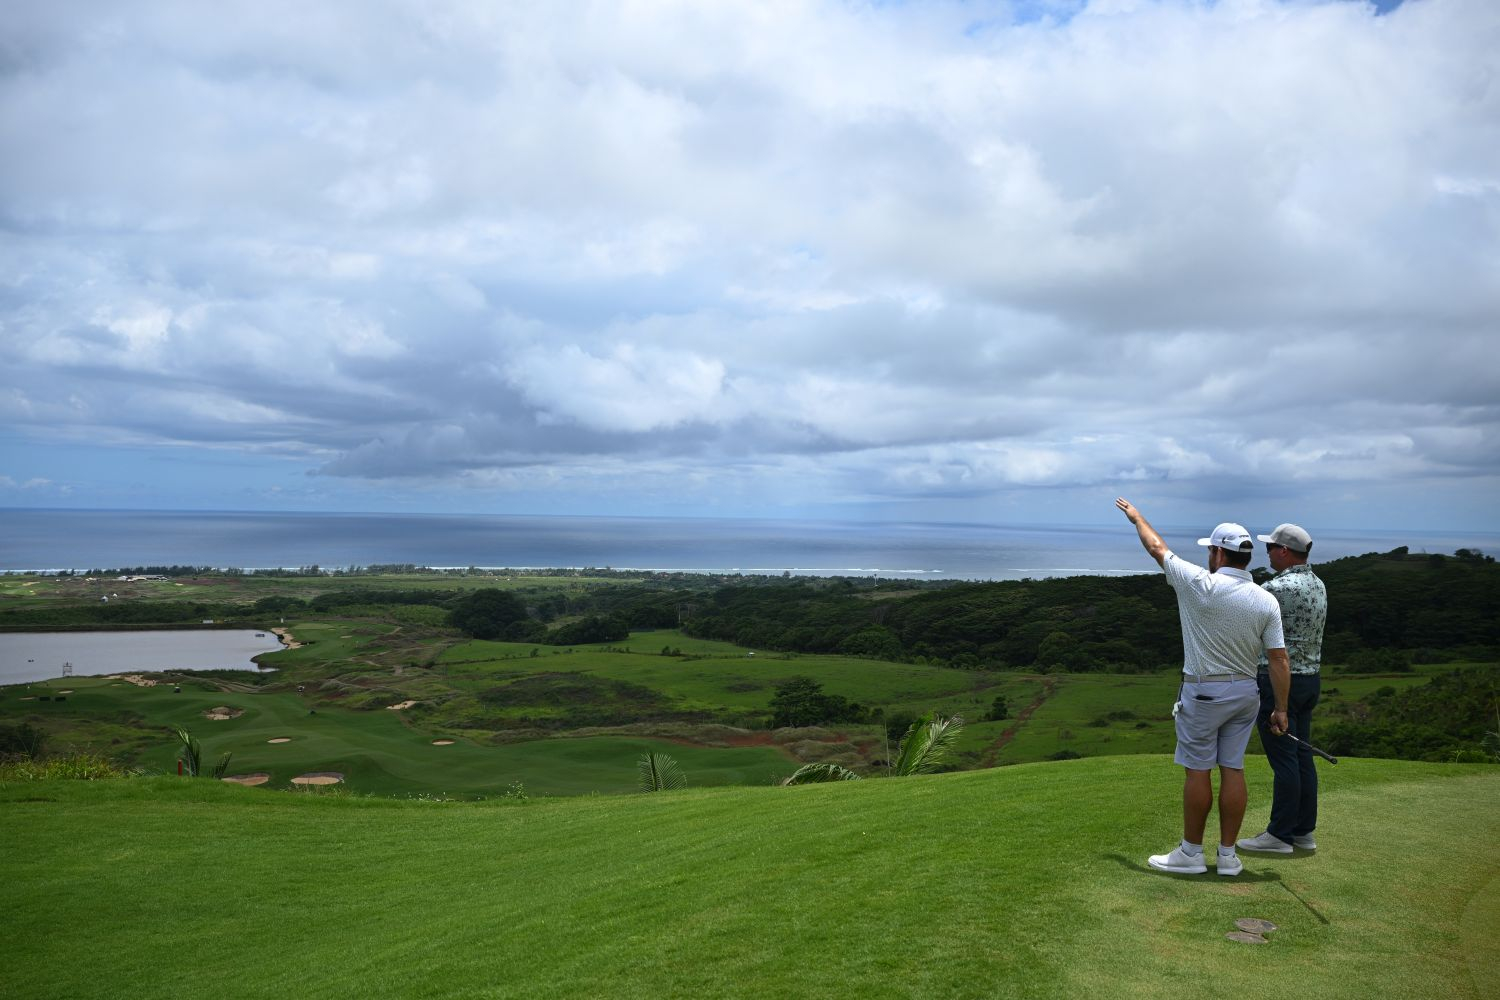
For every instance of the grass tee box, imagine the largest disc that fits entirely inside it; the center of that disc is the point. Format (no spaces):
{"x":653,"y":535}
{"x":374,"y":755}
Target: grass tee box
{"x":1024,"y":881}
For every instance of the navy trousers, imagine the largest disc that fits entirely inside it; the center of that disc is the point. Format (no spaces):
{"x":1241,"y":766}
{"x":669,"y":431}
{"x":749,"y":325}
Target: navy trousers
{"x":1294,"y":794}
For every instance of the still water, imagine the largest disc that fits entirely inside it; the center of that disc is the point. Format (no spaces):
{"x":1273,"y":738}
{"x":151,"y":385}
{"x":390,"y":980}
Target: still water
{"x":83,"y":539}
{"x":39,"y":656}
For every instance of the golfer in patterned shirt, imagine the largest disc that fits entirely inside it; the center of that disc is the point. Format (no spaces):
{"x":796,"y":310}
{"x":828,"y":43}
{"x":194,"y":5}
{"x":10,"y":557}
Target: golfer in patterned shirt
{"x":1304,"y":610}
{"x":1226,"y":622}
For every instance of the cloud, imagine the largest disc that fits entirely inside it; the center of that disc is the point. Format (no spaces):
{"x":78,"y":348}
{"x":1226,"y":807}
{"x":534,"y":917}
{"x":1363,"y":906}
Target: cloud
{"x":869,"y":253}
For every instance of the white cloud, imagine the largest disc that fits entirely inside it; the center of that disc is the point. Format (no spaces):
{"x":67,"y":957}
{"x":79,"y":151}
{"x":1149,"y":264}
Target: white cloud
{"x":785,"y":249}
{"x":632,"y":389}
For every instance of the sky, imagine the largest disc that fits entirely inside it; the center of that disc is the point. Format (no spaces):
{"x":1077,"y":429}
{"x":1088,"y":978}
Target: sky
{"x":992,"y":262}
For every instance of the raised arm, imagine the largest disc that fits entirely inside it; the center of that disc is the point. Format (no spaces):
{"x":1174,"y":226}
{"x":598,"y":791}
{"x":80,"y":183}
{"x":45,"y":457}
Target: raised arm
{"x":1149,"y":538}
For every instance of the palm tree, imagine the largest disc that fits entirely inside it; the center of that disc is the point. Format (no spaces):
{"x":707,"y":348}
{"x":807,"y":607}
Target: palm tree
{"x":660,"y":772}
{"x":927,"y":745}
{"x":925,"y":748}
{"x":191,"y":755}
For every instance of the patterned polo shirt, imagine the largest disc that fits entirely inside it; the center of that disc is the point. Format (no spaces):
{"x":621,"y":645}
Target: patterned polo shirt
{"x":1304,"y":611}
{"x":1226,"y":619}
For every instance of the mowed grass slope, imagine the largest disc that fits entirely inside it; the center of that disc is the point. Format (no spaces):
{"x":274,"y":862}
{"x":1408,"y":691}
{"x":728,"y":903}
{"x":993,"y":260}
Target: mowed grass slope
{"x":377,"y":753}
{"x":1025,"y":881}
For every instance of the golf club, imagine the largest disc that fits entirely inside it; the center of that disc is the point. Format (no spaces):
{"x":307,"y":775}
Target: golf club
{"x":1326,"y":756}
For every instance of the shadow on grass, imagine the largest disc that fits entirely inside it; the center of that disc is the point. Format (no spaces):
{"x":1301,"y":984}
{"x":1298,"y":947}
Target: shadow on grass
{"x":1245,"y":876}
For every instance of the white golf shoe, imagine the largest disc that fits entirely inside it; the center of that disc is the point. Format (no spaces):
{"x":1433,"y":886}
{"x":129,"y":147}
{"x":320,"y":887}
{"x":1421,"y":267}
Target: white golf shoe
{"x":1305,"y":842}
{"x":1264,"y":844}
{"x":1178,"y":862}
{"x":1230,"y":864}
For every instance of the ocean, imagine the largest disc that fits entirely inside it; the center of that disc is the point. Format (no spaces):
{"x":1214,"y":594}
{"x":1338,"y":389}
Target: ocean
{"x":32,"y":539}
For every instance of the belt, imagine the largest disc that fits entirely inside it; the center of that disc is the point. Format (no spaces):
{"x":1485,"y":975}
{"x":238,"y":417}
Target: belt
{"x":1207,"y":678}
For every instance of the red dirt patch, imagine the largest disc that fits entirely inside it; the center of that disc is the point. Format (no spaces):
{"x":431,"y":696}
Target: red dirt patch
{"x":1049,"y":688}
{"x":756,"y":739}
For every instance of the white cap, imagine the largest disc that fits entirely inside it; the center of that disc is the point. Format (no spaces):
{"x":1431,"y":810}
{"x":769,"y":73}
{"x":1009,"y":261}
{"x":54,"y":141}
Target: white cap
{"x":1229,"y":536}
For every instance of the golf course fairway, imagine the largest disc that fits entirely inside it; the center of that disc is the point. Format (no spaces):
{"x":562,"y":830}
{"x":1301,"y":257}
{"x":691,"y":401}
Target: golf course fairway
{"x":1024,"y":881}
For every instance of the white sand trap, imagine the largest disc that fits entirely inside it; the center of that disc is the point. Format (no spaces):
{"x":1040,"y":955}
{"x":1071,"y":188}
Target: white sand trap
{"x":442,"y":743}
{"x":400,"y":705}
{"x":135,"y":679}
{"x":285,"y":637}
{"x":318,"y":778}
{"x":223,"y":712}
{"x":248,"y":779}
{"x":66,"y":691}
{"x":279,"y":739}
{"x":29,"y":698}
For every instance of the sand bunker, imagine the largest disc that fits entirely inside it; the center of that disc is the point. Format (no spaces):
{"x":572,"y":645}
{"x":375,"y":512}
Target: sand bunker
{"x":66,"y":691}
{"x":442,"y":743}
{"x":318,"y":778}
{"x":135,"y":679}
{"x":223,"y":712}
{"x":285,"y":637}
{"x":279,"y":739}
{"x":400,"y":705}
{"x":247,"y":779}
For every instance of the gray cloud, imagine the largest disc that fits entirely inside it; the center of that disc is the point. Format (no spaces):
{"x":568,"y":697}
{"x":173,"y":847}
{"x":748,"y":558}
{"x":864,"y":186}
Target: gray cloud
{"x":909,"y":253}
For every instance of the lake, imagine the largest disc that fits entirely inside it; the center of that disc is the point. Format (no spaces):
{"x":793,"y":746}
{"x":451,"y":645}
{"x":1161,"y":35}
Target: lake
{"x":37,"y":656}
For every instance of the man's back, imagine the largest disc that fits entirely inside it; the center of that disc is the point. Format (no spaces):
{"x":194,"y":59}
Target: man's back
{"x":1226,"y":619}
{"x":1304,"y":612}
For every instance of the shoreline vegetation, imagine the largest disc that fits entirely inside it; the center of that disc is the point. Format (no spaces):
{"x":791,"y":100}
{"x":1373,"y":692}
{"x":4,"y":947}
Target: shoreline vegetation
{"x":539,"y":677}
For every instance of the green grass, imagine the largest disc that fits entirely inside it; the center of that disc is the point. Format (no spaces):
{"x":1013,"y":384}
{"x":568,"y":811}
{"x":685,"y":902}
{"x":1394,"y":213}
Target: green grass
{"x":352,"y":669}
{"x":717,"y":674}
{"x":1023,"y":881}
{"x":378,"y":753}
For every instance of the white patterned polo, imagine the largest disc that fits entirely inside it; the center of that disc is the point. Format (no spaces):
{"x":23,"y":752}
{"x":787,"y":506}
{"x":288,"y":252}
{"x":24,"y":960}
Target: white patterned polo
{"x":1226,"y":619}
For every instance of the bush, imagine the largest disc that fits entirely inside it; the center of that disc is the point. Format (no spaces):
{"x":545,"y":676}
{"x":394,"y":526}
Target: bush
{"x":78,"y":766}
{"x":1379,"y":661}
{"x":21,"y":740}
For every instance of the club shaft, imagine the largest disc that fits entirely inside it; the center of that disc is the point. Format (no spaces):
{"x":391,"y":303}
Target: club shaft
{"x":1326,"y":756}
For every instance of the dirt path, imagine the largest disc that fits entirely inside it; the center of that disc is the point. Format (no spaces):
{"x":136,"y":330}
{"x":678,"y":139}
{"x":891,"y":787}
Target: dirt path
{"x":1049,"y":687}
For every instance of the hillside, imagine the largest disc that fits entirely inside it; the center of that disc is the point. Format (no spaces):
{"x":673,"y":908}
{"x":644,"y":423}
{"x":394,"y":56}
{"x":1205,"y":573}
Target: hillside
{"x":385,"y":689}
{"x":1023,"y":881}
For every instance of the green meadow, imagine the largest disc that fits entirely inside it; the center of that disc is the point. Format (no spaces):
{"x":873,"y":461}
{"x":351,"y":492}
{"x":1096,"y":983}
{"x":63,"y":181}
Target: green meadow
{"x":1026,"y":881}
{"x":378,"y":753}
{"x":368,"y":699}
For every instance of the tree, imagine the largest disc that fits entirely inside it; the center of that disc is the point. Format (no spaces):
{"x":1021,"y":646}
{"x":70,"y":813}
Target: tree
{"x":797,"y":702}
{"x":190,"y":756}
{"x":928,"y":745}
{"x":487,"y":613}
{"x":801,"y":702}
{"x":999,"y":708}
{"x":926,"y":748}
{"x":897,"y":724}
{"x":659,"y":773}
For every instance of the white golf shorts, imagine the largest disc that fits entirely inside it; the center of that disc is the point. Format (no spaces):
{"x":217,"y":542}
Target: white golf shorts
{"x":1214,"y":723}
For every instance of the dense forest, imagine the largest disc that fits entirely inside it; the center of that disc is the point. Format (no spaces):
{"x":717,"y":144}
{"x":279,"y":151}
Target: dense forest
{"x":1386,"y":611}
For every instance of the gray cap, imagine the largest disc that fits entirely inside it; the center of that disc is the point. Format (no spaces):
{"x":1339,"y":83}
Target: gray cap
{"x":1291,"y":536}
